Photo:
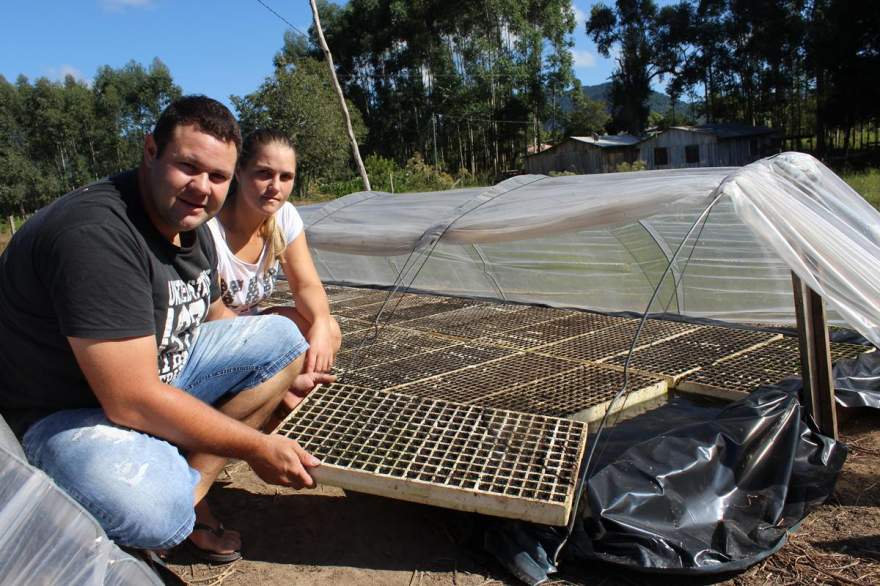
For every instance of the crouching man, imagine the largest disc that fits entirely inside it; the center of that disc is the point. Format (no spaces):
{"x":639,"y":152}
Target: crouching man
{"x":118,"y":373}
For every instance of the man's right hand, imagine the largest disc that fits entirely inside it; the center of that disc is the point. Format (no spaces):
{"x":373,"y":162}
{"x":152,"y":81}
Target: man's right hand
{"x":283,"y":461}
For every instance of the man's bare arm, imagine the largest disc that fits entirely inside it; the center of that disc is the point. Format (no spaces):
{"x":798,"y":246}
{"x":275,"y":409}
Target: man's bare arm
{"x":122,"y":374}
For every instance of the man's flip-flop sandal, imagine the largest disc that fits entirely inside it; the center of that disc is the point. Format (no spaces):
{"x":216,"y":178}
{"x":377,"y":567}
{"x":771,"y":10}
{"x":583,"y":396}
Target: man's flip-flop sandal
{"x":207,"y":555}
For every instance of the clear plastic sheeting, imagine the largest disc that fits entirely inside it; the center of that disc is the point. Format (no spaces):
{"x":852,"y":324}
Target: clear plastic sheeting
{"x":47,"y":538}
{"x":527,"y":206}
{"x":826,"y":232}
{"x":602,"y":242}
{"x":716,"y":492}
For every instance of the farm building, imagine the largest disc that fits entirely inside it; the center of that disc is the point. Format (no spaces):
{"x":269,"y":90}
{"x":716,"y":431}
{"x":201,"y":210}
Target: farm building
{"x":707,"y":145}
{"x":585,"y":155}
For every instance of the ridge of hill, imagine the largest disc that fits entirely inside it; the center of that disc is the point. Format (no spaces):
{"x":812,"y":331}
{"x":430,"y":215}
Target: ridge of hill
{"x":657,"y":102}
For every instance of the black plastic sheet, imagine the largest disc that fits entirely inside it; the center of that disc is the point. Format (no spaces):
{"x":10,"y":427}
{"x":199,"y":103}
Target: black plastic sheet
{"x":690,"y":488}
{"x":857,"y":382}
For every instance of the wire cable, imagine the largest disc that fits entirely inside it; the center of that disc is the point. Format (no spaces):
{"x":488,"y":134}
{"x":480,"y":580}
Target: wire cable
{"x":401,"y":277}
{"x":675,"y":284}
{"x":291,"y":25}
{"x":284,"y":20}
{"x":588,"y":461}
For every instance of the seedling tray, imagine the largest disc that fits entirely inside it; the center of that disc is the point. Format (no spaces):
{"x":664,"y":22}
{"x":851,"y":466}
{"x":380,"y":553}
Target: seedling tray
{"x":462,"y":457}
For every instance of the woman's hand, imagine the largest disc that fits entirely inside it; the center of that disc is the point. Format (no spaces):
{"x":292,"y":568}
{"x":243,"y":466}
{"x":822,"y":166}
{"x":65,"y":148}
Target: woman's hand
{"x":324,"y":339}
{"x":303,"y":385}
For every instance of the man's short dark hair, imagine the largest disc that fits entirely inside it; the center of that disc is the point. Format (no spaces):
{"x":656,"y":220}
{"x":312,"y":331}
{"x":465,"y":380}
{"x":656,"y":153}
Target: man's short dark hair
{"x":209,"y":115}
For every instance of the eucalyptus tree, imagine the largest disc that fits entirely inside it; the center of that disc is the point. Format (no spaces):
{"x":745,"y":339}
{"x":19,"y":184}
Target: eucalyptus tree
{"x":17,"y":171}
{"x":128,"y":102}
{"x":647,"y":44}
{"x":56,"y":135}
{"x":744,"y":57}
{"x":298,"y":99}
{"x":843,"y":54}
{"x":465,"y":83}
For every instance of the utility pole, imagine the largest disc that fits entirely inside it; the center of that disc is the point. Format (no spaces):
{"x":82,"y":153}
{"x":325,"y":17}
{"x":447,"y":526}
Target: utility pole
{"x":354,"y":146}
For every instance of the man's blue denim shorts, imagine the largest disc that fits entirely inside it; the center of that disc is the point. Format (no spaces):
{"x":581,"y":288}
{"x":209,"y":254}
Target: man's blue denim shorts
{"x":139,"y":487}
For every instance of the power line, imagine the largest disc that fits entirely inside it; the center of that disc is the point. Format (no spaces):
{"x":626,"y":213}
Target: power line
{"x":452,"y":75}
{"x":472,"y":119}
{"x":287,"y":22}
{"x":290,"y":24}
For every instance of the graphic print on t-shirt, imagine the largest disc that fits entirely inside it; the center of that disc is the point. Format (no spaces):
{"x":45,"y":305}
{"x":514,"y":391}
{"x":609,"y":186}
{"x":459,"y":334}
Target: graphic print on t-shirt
{"x":258,"y":288}
{"x":188,"y":303}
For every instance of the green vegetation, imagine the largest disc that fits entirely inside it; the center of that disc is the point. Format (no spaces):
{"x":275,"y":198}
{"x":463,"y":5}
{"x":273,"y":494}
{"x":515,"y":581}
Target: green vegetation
{"x":802,"y":68}
{"x":867,"y":183}
{"x":5,"y":229}
{"x":415,"y":175}
{"x":638,"y":165}
{"x":55,"y":136}
{"x":447,"y":94}
{"x":298,"y":99}
{"x":587,"y":116}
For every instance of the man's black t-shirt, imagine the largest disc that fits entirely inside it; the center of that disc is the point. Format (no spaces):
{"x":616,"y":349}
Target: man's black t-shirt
{"x":92,"y":265}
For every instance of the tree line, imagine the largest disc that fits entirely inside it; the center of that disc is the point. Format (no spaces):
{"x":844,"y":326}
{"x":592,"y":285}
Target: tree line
{"x":806,"y":68}
{"x":55,"y":136}
{"x":448,"y":92}
{"x":474,"y":85}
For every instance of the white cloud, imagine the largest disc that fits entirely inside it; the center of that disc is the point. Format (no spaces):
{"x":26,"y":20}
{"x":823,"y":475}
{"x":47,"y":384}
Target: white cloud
{"x":580,"y":17}
{"x":123,"y":4}
{"x":66,"y":70}
{"x":59,"y":73}
{"x":583,"y":58}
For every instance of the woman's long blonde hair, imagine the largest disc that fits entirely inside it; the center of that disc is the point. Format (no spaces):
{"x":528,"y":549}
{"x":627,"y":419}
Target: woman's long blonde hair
{"x":270,"y":232}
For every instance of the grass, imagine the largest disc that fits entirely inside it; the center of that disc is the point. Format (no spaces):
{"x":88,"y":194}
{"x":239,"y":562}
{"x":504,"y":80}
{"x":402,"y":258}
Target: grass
{"x":866,"y":183}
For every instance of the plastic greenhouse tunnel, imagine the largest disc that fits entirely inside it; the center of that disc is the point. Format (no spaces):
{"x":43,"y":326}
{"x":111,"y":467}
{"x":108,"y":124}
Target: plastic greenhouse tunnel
{"x":606,"y":366}
{"x":603,"y":368}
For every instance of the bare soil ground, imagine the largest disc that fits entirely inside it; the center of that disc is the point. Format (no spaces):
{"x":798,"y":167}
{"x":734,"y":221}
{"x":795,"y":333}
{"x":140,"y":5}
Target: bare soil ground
{"x":327,"y":537}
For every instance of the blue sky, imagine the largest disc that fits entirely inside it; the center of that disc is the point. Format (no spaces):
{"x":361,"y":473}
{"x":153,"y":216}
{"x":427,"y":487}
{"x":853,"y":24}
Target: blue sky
{"x":216,"y":48}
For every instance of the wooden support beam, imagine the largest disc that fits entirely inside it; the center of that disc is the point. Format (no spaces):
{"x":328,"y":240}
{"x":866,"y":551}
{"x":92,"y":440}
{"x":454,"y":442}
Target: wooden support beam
{"x":815,"y":357}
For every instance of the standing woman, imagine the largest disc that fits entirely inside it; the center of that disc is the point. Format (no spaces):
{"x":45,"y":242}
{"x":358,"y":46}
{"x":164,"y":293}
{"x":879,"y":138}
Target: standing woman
{"x":257,"y":233}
